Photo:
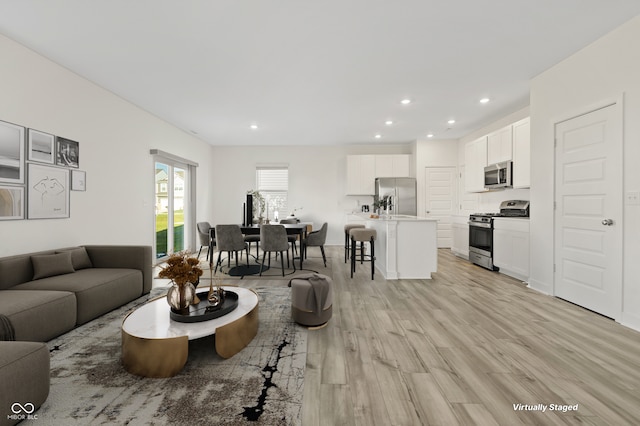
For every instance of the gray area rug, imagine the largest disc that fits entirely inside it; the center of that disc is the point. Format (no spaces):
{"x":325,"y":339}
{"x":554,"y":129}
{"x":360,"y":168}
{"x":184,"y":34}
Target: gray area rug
{"x":263,"y":384}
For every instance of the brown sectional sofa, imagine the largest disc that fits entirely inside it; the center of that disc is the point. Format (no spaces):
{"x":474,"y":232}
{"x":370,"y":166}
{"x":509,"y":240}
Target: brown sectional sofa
{"x":46,"y":294}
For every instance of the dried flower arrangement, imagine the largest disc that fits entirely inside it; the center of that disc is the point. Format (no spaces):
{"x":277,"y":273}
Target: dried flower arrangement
{"x":181,"y":269}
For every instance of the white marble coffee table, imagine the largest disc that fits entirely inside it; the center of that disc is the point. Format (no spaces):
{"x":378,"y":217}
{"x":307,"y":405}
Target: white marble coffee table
{"x":154,"y":345}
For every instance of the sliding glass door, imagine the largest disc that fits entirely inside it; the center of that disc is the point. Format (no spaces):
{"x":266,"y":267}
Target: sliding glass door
{"x":173,"y":205}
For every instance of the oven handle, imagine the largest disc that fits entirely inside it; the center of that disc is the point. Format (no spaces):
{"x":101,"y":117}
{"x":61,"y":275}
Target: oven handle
{"x":479,"y":225}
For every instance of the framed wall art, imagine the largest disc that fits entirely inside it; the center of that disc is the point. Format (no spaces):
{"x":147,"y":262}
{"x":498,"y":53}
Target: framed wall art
{"x":41,"y":147}
{"x":67,"y":152}
{"x":11,"y":202}
{"x":78,"y":180}
{"x":47,"y":192}
{"x":11,"y":153}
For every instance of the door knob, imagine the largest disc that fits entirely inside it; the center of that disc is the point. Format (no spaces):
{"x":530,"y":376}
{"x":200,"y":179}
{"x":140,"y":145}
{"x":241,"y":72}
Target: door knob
{"x":607,"y":222}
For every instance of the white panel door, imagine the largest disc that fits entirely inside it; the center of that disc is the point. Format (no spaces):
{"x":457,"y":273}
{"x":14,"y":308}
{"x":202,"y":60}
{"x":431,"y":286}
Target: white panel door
{"x":588,"y":216}
{"x":440,"y":201}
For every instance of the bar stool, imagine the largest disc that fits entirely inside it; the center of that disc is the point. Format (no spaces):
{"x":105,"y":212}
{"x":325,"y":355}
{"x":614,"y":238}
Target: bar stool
{"x":348,"y":227}
{"x":363,"y":235}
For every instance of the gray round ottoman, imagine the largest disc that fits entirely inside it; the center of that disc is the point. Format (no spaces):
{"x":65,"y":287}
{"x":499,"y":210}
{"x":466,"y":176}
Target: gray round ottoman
{"x":311,"y":299}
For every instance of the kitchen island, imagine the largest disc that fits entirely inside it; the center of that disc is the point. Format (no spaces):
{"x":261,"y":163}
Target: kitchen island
{"x":406,"y":247}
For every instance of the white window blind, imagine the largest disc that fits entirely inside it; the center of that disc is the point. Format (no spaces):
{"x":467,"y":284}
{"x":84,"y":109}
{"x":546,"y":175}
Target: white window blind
{"x":273,"y":184}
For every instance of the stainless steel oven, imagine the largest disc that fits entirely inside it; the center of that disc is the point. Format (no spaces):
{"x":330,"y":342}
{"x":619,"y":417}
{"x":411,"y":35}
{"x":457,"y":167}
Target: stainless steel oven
{"x":481,"y":231}
{"x":481,"y":240}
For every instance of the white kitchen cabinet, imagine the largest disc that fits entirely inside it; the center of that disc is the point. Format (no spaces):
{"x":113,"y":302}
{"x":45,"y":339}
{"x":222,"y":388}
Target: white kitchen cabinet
{"x":362,"y":170}
{"x":475,"y":157}
{"x":396,"y":165}
{"x":499,"y":145}
{"x":460,"y":243}
{"x":361,"y":174}
{"x":401,"y":165}
{"x":522,"y":154}
{"x":511,"y":246}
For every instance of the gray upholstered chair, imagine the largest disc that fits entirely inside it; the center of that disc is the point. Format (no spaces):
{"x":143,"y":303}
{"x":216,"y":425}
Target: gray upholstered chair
{"x":253,"y":238}
{"x":292,"y":238}
{"x":316,"y":239}
{"x":229,"y":239}
{"x":274,"y":238}
{"x":204,"y":236}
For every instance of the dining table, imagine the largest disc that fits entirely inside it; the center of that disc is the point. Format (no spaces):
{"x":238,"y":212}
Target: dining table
{"x":301,"y":229}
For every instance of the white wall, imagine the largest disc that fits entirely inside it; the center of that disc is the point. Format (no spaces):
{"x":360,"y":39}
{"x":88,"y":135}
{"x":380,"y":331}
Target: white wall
{"x":607,"y":69}
{"x":317,"y":181}
{"x":115,"y":138}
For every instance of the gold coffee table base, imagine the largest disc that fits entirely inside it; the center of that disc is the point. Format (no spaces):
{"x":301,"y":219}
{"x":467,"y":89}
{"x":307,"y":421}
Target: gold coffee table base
{"x":165,"y":357}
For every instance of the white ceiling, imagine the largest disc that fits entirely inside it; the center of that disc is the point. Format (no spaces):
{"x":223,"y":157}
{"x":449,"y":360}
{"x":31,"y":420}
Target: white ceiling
{"x":314,"y":72}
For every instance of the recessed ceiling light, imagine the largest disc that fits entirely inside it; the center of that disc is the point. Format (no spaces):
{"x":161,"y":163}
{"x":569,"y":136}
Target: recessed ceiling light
{"x":484,"y":100}
{"x":254,"y":126}
{"x":430,"y":135}
{"x":388,"y":122}
{"x":451,"y":121}
{"x":405,"y":101}
{"x":378,"y":136}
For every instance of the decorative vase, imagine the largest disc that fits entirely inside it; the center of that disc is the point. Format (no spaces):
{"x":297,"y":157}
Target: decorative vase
{"x":180,"y":297}
{"x":214,"y":296}
{"x":195,"y":299}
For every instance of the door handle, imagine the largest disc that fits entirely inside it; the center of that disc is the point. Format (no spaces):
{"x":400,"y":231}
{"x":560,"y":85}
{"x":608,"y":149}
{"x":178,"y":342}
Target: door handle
{"x":607,"y":222}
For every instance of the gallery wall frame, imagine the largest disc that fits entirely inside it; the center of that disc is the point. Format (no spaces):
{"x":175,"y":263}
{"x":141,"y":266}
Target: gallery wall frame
{"x":11,"y":153}
{"x":11,"y":202}
{"x":41,"y":147}
{"x":78,"y":180}
{"x":48,"y":192}
{"x":67,"y":152}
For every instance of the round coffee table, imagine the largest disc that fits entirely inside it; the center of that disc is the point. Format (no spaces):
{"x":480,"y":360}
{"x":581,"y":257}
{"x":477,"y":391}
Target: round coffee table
{"x":153,"y":345}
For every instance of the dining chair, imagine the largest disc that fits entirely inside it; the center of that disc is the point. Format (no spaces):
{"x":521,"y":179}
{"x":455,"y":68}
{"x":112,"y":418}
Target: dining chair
{"x":292,"y":238}
{"x":204,"y":236}
{"x":229,"y":239}
{"x":273,"y":238}
{"x":253,"y":238}
{"x":316,"y":239}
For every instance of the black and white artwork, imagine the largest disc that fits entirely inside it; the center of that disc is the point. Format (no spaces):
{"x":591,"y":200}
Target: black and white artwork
{"x":78,"y":180}
{"x":41,"y":147}
{"x":48,"y":192}
{"x":11,"y":202}
{"x":11,"y":153}
{"x":67,"y":152}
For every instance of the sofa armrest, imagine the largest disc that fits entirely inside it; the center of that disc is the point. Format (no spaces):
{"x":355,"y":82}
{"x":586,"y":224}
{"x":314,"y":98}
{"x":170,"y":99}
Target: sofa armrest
{"x":115,"y":256}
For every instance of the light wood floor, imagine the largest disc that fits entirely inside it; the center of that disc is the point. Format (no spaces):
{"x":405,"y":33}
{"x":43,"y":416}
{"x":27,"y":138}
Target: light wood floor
{"x":463,"y":348}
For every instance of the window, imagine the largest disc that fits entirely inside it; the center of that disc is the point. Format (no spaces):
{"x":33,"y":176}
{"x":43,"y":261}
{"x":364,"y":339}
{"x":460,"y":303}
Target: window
{"x":273,"y":184}
{"x":174,"y":204}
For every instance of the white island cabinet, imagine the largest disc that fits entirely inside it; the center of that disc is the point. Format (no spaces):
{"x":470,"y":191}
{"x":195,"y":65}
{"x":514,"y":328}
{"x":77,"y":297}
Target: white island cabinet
{"x":406,"y":247}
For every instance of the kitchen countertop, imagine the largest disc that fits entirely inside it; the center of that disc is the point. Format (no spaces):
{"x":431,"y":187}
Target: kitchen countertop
{"x":395,"y":217}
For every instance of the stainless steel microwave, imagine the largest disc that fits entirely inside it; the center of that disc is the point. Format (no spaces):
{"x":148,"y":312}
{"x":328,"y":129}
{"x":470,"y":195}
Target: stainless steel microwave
{"x":498,"y":175}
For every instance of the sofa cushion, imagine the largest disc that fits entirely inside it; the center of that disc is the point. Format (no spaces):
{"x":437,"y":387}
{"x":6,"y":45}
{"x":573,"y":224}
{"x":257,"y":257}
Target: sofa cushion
{"x":39,"y":315}
{"x":79,"y":257}
{"x":24,"y":374}
{"x":97,"y":290}
{"x":49,"y":265}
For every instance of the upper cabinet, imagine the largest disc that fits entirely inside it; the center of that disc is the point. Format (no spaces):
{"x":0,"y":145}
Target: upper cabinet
{"x":475,"y":157}
{"x":392,"y":165}
{"x":522,"y":154}
{"x":511,"y":143}
{"x":362,"y":170}
{"x":499,"y":145}
{"x":361,"y":174}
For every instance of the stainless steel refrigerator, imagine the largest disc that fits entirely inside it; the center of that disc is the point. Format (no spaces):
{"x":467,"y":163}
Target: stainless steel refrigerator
{"x":402,"y":192}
